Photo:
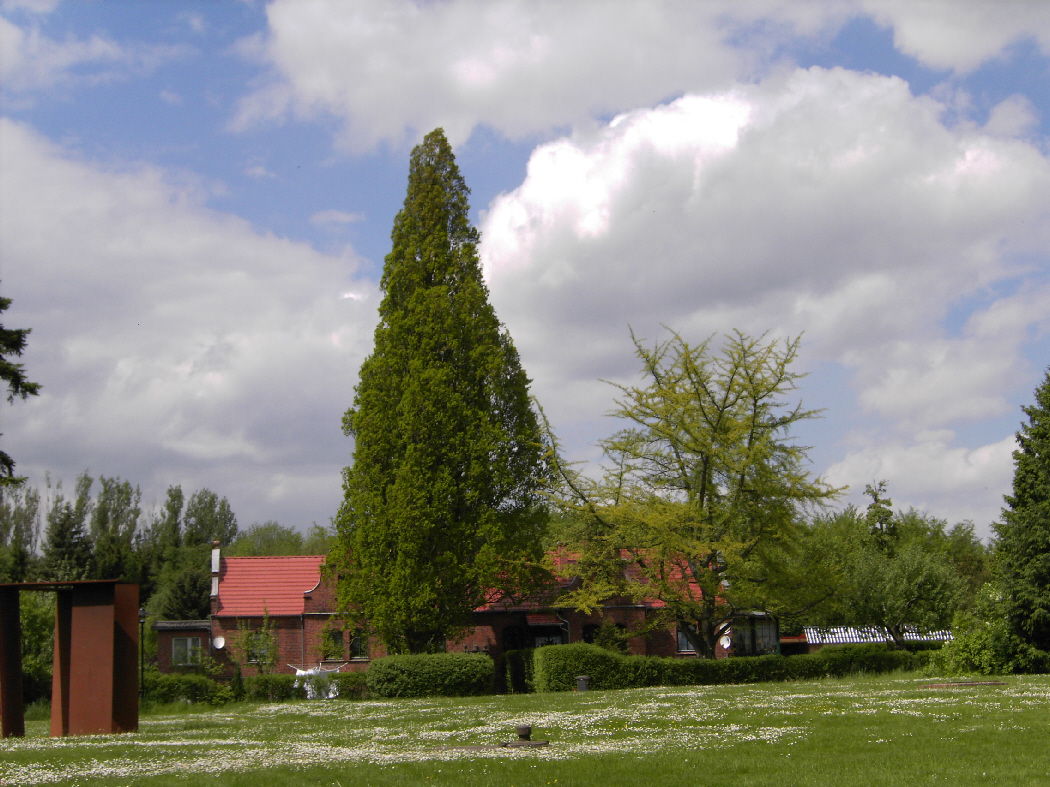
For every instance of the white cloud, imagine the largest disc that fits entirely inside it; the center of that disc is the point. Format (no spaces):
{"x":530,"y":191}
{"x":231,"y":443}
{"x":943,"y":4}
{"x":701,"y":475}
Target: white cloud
{"x":335,"y":218}
{"x":31,"y":61}
{"x":961,"y":36}
{"x":258,"y":171}
{"x":393,"y":69}
{"x":826,"y":202}
{"x":931,"y":474}
{"x":174,"y":343}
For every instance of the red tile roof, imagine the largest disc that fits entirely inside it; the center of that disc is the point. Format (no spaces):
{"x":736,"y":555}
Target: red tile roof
{"x":252,"y":586}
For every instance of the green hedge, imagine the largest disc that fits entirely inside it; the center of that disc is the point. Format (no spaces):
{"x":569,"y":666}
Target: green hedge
{"x":273,"y":688}
{"x":352,"y":685}
{"x":177,"y":687}
{"x":436,"y":674}
{"x":555,"y":668}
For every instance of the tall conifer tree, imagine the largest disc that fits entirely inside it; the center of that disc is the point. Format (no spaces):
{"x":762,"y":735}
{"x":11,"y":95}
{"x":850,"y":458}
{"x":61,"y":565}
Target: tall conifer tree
{"x":442,"y":505}
{"x":1022,"y":553}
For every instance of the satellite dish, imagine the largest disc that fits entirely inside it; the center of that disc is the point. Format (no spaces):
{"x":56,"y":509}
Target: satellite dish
{"x":725,"y":642}
{"x":219,"y":643}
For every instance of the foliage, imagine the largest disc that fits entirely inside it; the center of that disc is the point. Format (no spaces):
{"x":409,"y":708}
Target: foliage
{"x":256,"y":647}
{"x":19,"y":531}
{"x":431,"y":674}
{"x":984,"y":643}
{"x":703,"y":491}
{"x":13,"y":342}
{"x":612,"y":637}
{"x":114,"y":524}
{"x":351,"y":685}
{"x":895,"y":571}
{"x":187,"y":687}
{"x":38,"y":643}
{"x":273,"y":688}
{"x":556,"y":668}
{"x":268,"y":539}
{"x":319,"y":540}
{"x":208,"y":518}
{"x":1022,"y":552}
{"x":442,"y":503}
{"x":67,"y":549}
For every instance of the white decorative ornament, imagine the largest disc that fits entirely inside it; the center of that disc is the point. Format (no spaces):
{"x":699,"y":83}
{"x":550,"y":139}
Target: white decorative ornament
{"x":219,"y":643}
{"x":725,"y":642}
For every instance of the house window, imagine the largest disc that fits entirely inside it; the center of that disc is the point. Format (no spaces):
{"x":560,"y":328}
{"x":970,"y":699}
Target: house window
{"x":185,"y":650}
{"x":590,"y":632}
{"x":259,"y":644}
{"x":684,"y":645}
{"x":334,"y":645}
{"x":359,"y":645}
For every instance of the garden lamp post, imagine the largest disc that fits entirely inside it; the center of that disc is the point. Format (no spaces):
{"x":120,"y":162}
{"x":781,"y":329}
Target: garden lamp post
{"x":142,"y":652}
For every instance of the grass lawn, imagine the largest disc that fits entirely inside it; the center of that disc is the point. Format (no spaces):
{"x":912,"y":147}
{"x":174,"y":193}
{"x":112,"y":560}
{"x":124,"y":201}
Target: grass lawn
{"x":862,"y":731}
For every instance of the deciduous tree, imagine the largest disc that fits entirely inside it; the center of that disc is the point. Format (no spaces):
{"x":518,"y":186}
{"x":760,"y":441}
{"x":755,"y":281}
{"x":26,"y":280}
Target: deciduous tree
{"x":442,"y":503}
{"x":702,"y":493}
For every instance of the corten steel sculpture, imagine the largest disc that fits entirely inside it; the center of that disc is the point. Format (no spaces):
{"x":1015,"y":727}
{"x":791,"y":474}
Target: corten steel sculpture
{"x":95,"y":683}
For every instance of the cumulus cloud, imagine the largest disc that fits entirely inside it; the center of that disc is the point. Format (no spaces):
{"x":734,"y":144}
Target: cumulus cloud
{"x":827,"y":202}
{"x":174,"y":343}
{"x":961,"y":36}
{"x":391,"y":70}
{"x":932,"y":474}
{"x":30,"y":61}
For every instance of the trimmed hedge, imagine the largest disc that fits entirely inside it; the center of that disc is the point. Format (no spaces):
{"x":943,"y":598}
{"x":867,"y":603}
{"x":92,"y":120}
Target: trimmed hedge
{"x":273,"y":688}
{"x":352,"y":685}
{"x":435,"y":674}
{"x":176,"y":687}
{"x":556,"y":668}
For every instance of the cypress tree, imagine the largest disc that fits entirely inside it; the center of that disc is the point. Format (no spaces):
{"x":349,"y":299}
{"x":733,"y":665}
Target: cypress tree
{"x":442,"y":507}
{"x":1022,"y":552}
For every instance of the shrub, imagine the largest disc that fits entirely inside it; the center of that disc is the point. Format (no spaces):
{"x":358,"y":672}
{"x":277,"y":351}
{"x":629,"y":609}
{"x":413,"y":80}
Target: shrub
{"x":272,"y":688}
{"x":351,"y":685}
{"x":178,"y":687}
{"x":988,"y":649}
{"x":433,"y":674}
{"x":556,"y":668}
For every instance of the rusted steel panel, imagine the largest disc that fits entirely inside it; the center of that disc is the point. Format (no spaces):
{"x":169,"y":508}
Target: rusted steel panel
{"x":12,"y":714}
{"x":91,"y":661}
{"x":60,"y":665}
{"x":126,"y":658}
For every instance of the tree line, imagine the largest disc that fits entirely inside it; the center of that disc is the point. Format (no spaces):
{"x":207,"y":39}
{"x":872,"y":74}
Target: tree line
{"x":100,"y":530}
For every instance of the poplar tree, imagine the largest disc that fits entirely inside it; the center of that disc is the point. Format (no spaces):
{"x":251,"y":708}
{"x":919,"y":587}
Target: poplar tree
{"x":1022,"y":552}
{"x":442,"y":506}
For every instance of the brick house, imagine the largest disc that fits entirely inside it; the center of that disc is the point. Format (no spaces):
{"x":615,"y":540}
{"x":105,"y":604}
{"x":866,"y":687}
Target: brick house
{"x":300,"y":604}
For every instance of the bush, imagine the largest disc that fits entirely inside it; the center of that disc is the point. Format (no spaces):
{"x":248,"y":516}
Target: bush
{"x":273,"y":688}
{"x":178,"y":687}
{"x":988,"y":649}
{"x":434,"y":674}
{"x":351,"y":685}
{"x":556,"y":668}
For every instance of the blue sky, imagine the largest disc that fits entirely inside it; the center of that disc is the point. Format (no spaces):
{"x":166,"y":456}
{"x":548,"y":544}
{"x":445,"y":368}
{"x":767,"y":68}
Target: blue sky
{"x":197,"y":200}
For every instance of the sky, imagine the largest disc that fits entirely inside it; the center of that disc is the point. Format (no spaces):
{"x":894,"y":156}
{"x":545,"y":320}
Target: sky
{"x":196,"y":199}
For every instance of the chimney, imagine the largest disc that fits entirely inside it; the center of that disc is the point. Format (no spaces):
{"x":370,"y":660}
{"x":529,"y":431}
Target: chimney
{"x":214,"y":569}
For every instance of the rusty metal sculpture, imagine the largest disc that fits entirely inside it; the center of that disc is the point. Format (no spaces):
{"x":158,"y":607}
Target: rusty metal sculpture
{"x":95,"y":680}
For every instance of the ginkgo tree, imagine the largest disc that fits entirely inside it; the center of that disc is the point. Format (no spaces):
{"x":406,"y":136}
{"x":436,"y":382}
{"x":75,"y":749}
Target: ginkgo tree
{"x":702,"y":492}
